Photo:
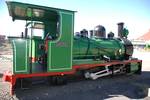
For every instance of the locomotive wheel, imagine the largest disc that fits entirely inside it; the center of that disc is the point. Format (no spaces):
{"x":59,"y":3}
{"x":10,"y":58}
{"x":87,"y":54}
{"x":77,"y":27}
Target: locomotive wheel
{"x":57,"y":80}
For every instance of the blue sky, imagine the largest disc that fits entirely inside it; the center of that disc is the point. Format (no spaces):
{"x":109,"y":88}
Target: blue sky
{"x":134,"y":13}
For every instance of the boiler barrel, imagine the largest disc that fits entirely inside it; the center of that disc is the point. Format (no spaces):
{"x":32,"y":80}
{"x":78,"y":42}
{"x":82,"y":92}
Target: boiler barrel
{"x":85,"y":48}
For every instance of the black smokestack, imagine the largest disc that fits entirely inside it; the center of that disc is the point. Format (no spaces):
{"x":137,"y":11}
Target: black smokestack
{"x":120,"y":29}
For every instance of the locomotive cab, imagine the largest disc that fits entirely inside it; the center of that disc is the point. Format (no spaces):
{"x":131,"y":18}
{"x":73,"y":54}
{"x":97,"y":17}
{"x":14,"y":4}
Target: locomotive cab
{"x":48,"y":32}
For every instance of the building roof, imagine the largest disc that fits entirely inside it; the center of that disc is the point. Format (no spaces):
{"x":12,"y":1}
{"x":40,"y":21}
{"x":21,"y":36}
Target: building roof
{"x":145,"y":37}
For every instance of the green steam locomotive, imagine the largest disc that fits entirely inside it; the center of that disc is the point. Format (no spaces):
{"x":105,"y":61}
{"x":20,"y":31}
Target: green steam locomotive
{"x":49,"y":47}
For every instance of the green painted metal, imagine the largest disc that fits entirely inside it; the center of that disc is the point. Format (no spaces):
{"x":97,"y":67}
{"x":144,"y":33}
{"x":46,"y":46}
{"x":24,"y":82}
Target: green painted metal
{"x":20,"y":56}
{"x":58,"y":23}
{"x":87,"y":61}
{"x":24,"y":11}
{"x":85,"y":48}
{"x":63,"y":50}
{"x":37,"y":52}
{"x":60,"y":50}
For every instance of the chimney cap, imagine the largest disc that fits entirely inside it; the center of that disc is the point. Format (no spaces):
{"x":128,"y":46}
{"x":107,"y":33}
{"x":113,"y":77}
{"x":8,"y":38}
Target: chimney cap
{"x":120,"y":23}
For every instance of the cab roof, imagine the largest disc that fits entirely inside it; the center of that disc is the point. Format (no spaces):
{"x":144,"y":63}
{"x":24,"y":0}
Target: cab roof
{"x":24,"y":11}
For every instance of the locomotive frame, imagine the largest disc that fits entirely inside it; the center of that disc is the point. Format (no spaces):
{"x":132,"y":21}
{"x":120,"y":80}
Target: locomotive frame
{"x":29,"y":53}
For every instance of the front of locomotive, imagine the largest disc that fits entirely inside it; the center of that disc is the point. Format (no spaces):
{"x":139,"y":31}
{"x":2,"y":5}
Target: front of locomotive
{"x":122,"y":35}
{"x":119,"y":48}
